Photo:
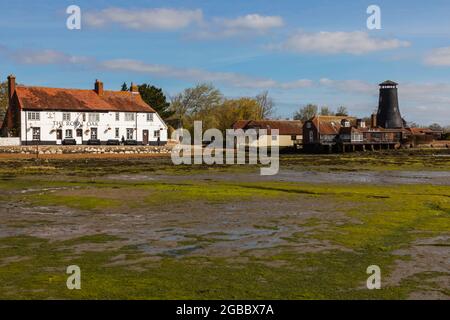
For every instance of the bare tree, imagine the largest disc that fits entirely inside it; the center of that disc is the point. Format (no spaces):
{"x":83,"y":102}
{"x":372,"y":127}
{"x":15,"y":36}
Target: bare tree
{"x":325,"y":111}
{"x":266,"y":105}
{"x":436,"y":127}
{"x":305,"y":113}
{"x":342,"y":111}
{"x":194,"y":104}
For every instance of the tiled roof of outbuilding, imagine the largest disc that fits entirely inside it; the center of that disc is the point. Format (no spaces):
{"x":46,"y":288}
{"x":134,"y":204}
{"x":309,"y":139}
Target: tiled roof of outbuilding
{"x":285,"y":127}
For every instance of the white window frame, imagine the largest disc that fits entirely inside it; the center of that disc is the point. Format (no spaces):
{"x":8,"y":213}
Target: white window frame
{"x":36,"y":133}
{"x":94,"y":117}
{"x":117,"y":133}
{"x":33,"y":116}
{"x":150,"y":117}
{"x":70,"y":135}
{"x":130,"y":116}
{"x":157,"y":133}
{"x":117,"y":116}
{"x":130,"y":134}
{"x":66,"y":116}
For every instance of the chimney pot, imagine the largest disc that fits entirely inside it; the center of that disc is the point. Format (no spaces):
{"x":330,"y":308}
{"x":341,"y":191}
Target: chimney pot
{"x":134,"y":88}
{"x":11,"y":86}
{"x":373,"y":122}
{"x":99,"y":87}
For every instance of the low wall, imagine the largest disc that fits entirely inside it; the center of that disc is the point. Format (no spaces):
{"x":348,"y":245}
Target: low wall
{"x":81,"y":149}
{"x":7,"y":142}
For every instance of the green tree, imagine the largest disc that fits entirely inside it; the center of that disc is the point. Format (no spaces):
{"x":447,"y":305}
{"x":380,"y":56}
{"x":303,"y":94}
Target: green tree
{"x":305,"y":113}
{"x":155,"y":97}
{"x":124,"y":87}
{"x":3,"y":99}
{"x":232,"y":110}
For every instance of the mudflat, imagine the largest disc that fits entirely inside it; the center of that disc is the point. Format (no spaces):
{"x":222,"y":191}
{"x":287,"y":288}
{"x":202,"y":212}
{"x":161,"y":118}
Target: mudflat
{"x":142,"y":228}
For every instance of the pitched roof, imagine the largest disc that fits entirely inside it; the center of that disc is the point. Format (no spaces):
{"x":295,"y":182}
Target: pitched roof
{"x":349,"y":130}
{"x":240,"y":124}
{"x":285,"y":127}
{"x":40,"y":98}
{"x":330,"y":124}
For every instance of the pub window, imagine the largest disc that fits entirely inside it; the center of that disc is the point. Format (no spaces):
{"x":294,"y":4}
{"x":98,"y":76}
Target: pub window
{"x":130,"y":134}
{"x":117,"y":133}
{"x":36,"y":133}
{"x":84,"y":116}
{"x":79,"y":132}
{"x":156,"y":133}
{"x":117,"y":116}
{"x":94,"y":117}
{"x":150,"y":117}
{"x":66,"y":116}
{"x":274,"y":137}
{"x":34,"y":116}
{"x":129,"y":116}
{"x":69,"y":134}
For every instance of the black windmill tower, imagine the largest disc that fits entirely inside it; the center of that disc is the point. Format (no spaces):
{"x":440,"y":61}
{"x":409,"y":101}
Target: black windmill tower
{"x":388,"y":115}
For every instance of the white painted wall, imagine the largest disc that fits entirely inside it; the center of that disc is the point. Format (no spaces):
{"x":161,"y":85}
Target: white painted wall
{"x":9,"y":142}
{"x":50,"y":122}
{"x":280,"y":141}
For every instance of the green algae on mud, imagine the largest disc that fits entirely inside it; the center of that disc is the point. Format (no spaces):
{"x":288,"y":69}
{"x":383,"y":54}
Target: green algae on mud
{"x":383,"y":219}
{"x":375,"y":221}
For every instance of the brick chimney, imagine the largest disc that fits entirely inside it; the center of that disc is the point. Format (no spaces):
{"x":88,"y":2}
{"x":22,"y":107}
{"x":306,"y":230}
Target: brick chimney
{"x":373,"y":120}
{"x":11,"y":86}
{"x":134,"y":88}
{"x":99,"y":87}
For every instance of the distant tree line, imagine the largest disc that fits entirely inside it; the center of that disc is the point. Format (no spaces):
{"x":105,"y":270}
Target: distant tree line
{"x":206,"y":103}
{"x":310,"y":110}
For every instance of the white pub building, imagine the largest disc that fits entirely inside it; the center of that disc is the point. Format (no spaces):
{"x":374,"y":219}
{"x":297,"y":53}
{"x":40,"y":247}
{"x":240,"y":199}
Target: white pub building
{"x":40,"y":115}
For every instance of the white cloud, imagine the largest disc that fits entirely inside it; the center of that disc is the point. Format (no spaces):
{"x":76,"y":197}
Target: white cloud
{"x":228,"y":78}
{"x":48,"y":57}
{"x":438,"y":57}
{"x":356,"y":42}
{"x":250,"y":24}
{"x":43,"y":57}
{"x":254,"y":22}
{"x":145,"y":19}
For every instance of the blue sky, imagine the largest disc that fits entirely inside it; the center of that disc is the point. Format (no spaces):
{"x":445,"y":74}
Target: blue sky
{"x":301,"y":51}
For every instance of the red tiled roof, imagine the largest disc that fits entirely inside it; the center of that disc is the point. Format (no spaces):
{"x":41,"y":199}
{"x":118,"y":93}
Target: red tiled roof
{"x":285,"y":127}
{"x":349,"y":130}
{"x":330,"y":124}
{"x":40,"y":98}
{"x":416,"y":131}
{"x":240,"y":124}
